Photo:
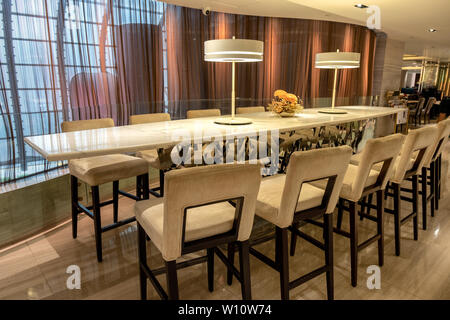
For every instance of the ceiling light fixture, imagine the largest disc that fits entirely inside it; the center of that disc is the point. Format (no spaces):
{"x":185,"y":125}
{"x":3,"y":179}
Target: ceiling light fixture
{"x":361,"y":6}
{"x":432,"y":30}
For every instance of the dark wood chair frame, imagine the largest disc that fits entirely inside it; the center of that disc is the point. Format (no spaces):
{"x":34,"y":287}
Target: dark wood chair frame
{"x":355,"y":246}
{"x":427,"y":110}
{"x":412,"y":175}
{"x":93,"y":211}
{"x":210,"y":244}
{"x":416,"y":114}
{"x":281,"y":262}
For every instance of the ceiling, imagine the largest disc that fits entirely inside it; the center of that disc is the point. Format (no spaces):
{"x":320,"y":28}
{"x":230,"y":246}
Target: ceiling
{"x":405,"y":20}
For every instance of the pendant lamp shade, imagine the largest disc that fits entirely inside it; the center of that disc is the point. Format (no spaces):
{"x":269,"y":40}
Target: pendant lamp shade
{"x":337,"y":60}
{"x":234,"y":50}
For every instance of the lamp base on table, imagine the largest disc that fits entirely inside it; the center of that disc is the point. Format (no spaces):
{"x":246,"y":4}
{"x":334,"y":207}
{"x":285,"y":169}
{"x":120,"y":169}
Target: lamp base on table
{"x":232,"y":121}
{"x":333,"y":111}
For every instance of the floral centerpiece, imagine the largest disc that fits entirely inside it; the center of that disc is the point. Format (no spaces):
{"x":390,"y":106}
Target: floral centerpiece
{"x":285,"y":104}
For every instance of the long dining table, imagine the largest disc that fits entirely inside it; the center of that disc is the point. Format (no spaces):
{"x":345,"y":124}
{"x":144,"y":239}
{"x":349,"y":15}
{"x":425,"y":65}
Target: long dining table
{"x":133,"y":138}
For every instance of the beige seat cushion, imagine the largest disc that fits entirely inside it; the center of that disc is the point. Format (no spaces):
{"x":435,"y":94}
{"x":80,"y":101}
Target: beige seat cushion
{"x":102,"y":169}
{"x":201,"y":222}
{"x":349,"y":178}
{"x":160,"y":162}
{"x":270,"y":193}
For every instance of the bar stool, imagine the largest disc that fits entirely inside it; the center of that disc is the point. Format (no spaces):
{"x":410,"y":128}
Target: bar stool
{"x":195,"y":214}
{"x":98,"y":170}
{"x":157,"y":159}
{"x":286,"y":200}
{"x":431,"y":164}
{"x":202,"y":113}
{"x":368,"y":177}
{"x":414,"y":152}
{"x":417,"y":145}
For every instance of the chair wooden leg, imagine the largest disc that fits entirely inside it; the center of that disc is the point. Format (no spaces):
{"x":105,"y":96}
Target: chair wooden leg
{"x":433,"y":186}
{"x":115,"y":201}
{"x":353,"y":244}
{"x":328,"y":227}
{"x":97,"y":221}
{"x":370,"y":199}
{"x":282,"y":260}
{"x":397,"y":217}
{"x":363,"y":208}
{"x":138,"y":187}
{"x":161,"y":183}
{"x":144,"y":186}
{"x":230,"y":253}
{"x":210,"y":263}
{"x":172,"y":279}
{"x":293,"y":242}
{"x":380,"y":231}
{"x":415,"y":197}
{"x":74,"y":199}
{"x":424,"y":198}
{"x":244,"y":263}
{"x":142,"y":253}
{"x":340,"y":214}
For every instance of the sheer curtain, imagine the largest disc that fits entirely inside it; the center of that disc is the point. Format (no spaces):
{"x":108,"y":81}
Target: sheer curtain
{"x":71,"y":59}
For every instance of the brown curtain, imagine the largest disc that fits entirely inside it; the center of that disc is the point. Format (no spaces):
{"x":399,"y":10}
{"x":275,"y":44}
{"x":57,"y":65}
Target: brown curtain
{"x":290,"y":46}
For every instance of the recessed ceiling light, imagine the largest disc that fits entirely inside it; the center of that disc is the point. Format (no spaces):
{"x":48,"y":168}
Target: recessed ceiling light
{"x":361,"y":6}
{"x":432,"y":30}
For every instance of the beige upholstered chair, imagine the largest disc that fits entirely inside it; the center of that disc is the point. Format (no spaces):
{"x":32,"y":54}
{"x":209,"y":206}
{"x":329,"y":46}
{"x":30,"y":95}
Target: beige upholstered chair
{"x":196,"y":214}
{"x":418,"y":144}
{"x":202,"y":113}
{"x":413,"y":153}
{"x":98,"y":170}
{"x":243,"y":110}
{"x":370,"y":176}
{"x":157,"y":159}
{"x":286,"y":200}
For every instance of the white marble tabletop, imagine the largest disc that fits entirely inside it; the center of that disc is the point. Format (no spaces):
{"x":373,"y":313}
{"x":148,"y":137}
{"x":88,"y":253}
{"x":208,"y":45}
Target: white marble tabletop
{"x":132,"y":138}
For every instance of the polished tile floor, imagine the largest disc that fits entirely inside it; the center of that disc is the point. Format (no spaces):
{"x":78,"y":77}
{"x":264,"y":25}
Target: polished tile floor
{"x":37,"y":268}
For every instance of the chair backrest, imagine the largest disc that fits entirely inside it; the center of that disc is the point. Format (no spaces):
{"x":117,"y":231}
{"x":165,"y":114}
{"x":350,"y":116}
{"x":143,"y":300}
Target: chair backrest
{"x":202,"y":113}
{"x":418,"y":141}
{"x":420,"y":105}
{"x":430,"y":104}
{"x":382,"y":150}
{"x":200,"y":186}
{"x":443,"y":129}
{"x":243,"y":110}
{"x":80,"y":125}
{"x":308,"y":166}
{"x":149,"y":118}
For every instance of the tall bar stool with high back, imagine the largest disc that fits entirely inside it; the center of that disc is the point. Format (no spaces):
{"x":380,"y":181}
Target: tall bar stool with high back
{"x":360,"y":181}
{"x":196,"y":214}
{"x":98,"y":170}
{"x":202,"y":113}
{"x":157,"y":159}
{"x":431,"y":165}
{"x":418,"y":143}
{"x":288,"y":200}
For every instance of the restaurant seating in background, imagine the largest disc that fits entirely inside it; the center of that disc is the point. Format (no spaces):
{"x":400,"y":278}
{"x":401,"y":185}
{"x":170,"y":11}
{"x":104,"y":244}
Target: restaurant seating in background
{"x":426,"y":114}
{"x":243,"y":110}
{"x":157,"y":159}
{"x":98,"y":170}
{"x":203,"y":208}
{"x":416,"y":113}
